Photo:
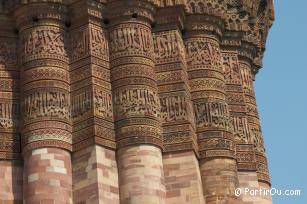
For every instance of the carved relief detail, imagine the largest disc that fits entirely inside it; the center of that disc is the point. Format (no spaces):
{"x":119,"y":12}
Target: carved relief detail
{"x":132,"y":70}
{"x":231,"y":68}
{"x":103,"y":104}
{"x":131,"y":39}
{"x":205,"y":84}
{"x":89,"y":40}
{"x":216,"y":143}
{"x":136,"y":101}
{"x":81,"y":103}
{"x":175,"y":108}
{"x":9,"y":99}
{"x":168,"y":47}
{"x":44,"y":41}
{"x":257,"y":138}
{"x":9,"y":113}
{"x":212,"y":113}
{"x":99,"y":43}
{"x":48,"y":73}
{"x":235,"y":98}
{"x":247,"y":79}
{"x":252,"y":110}
{"x":241,"y":129}
{"x":51,"y":104}
{"x":203,"y":53}
{"x":79,"y":42}
{"x":215,"y":7}
{"x":7,"y":52}
{"x":48,"y":134}
{"x":9,"y":84}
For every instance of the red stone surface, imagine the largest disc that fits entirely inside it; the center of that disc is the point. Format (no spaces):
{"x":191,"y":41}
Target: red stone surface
{"x":11,"y":182}
{"x":141,"y":178}
{"x":95,"y":176}
{"x":47,"y":176}
{"x":182,"y":178}
{"x":139,"y":101}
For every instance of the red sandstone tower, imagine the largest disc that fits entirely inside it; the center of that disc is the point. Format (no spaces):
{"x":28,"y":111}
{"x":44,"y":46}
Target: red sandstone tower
{"x":131,"y":101}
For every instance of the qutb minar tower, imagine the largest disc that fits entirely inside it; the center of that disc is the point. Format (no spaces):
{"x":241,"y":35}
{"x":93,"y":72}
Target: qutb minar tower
{"x":131,"y":101}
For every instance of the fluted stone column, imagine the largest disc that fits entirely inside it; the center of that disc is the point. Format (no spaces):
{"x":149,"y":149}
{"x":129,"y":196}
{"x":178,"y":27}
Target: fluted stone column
{"x":94,"y":166}
{"x":231,"y":46}
{"x":218,"y":165}
{"x":250,"y":57}
{"x":180,"y":162}
{"x":136,"y":103}
{"x":238,"y":111}
{"x":245,"y":154}
{"x":243,"y":47}
{"x":246,"y":69}
{"x":10,"y":158}
{"x":45,"y":103}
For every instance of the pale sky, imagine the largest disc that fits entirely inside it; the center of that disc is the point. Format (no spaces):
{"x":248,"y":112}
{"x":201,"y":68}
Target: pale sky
{"x":281,"y":89}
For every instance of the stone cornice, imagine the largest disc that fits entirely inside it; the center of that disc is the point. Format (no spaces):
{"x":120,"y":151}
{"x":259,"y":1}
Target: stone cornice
{"x":168,"y":18}
{"x":127,"y":10}
{"x":40,"y":13}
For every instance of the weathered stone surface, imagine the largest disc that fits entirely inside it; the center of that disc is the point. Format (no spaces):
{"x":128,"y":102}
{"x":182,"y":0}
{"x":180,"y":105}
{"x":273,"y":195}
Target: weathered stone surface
{"x":47,"y":176}
{"x":139,"y":101}
{"x":141,"y":177}
{"x":11,"y":181}
{"x":182,"y":178}
{"x":95,"y":176}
